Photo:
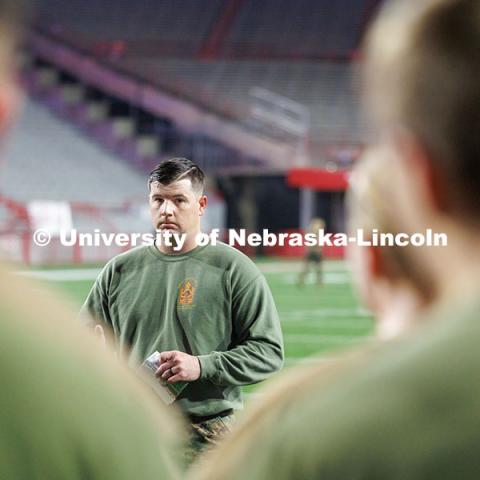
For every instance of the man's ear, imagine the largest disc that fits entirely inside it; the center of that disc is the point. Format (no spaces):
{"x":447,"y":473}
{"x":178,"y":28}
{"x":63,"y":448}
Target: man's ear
{"x":418,"y":163}
{"x":370,"y":274}
{"x":202,"y":203}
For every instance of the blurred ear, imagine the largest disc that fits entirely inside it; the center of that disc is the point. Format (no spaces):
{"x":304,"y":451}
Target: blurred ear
{"x":202,"y":202}
{"x":368,"y":272}
{"x":426,"y":182}
{"x":381,"y":276}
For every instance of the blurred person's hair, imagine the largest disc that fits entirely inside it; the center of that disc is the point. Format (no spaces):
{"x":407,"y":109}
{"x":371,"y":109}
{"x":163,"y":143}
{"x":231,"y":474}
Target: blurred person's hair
{"x":177,"y":169}
{"x":12,"y":18}
{"x":422,"y":74}
{"x":368,"y":210}
{"x":12,"y":13}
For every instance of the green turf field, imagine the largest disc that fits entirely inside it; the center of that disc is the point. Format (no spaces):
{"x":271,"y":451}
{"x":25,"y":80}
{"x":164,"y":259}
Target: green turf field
{"x":315,"y":320}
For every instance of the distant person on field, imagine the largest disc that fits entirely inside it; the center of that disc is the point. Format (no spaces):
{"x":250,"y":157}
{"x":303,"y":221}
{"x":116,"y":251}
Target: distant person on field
{"x":313,"y":257}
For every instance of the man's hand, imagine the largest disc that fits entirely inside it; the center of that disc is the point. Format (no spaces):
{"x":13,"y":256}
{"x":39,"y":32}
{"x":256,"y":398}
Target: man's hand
{"x":178,"y":366}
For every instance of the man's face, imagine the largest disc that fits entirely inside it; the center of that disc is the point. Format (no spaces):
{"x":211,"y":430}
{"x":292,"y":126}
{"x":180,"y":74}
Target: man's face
{"x":176,"y":207}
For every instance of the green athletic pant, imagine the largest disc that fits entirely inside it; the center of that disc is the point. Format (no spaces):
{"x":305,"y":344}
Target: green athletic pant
{"x":206,"y":435}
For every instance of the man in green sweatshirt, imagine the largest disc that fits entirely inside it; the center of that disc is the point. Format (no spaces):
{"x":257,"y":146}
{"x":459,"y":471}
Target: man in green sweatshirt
{"x":207,"y":309}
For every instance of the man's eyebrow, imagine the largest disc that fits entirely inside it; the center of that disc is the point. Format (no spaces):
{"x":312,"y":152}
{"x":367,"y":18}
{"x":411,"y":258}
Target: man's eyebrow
{"x":174,"y":195}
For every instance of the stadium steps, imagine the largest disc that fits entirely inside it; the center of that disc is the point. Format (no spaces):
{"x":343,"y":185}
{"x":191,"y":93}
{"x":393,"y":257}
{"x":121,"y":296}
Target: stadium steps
{"x":330,"y":90}
{"x":48,"y":159}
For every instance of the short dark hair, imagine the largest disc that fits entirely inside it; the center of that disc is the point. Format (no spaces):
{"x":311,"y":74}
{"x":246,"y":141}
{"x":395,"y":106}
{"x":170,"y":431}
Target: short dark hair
{"x":176,"y":169}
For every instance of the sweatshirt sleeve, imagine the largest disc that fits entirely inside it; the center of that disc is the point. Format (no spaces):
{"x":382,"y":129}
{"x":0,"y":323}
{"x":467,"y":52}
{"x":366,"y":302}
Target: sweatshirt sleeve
{"x":95,"y":309}
{"x":257,"y":346}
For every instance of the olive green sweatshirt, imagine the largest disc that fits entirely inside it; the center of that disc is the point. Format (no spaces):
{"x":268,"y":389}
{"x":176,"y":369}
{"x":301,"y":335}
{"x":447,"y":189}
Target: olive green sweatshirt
{"x":407,"y":410}
{"x":67,"y":410}
{"x":211,"y":302}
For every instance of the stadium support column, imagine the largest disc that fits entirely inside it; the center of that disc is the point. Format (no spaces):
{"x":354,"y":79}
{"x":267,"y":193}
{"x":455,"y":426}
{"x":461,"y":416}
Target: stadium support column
{"x":307,"y":199}
{"x":248,"y":205}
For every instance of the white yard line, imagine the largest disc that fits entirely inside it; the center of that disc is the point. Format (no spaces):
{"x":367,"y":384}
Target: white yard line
{"x":294,"y":361}
{"x":335,"y":272}
{"x":335,"y":278}
{"x":64,"y":275}
{"x":333,"y":324}
{"x":294,"y":315}
{"x":297,"y":265}
{"x":323,"y":339}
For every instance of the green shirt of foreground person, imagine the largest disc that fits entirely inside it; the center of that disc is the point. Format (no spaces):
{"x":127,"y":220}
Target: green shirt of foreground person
{"x":67,"y":410}
{"x":408,"y":409}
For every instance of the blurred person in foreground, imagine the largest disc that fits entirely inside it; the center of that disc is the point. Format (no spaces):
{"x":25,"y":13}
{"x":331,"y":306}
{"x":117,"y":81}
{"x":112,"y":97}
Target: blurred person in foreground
{"x":206,"y":309}
{"x":66,"y":410}
{"x":407,"y":409}
{"x":390,"y":282}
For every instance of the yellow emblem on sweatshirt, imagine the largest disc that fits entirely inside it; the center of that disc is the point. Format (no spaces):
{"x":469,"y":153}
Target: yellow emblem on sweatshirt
{"x":186,"y":292}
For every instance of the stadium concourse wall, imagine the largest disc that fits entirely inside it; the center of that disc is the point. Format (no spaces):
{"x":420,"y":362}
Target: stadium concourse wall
{"x":284,"y":250}
{"x":318,"y":179}
{"x":17,"y":234}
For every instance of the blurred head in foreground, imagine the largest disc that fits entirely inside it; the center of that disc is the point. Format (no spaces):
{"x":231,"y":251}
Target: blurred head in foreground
{"x":422,"y":90}
{"x":410,"y":409}
{"x":11,"y":13}
{"x":388,"y":279}
{"x":67,"y":409}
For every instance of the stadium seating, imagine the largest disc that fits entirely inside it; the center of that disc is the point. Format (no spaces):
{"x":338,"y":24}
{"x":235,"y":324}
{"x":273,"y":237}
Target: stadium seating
{"x":212,"y":53}
{"x":296,"y":28}
{"x":165,"y":26}
{"x":328,"y":89}
{"x":70,"y":168}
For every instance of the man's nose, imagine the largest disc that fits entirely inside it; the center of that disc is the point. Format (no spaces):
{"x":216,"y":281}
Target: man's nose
{"x":166,"y":208}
